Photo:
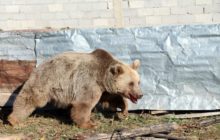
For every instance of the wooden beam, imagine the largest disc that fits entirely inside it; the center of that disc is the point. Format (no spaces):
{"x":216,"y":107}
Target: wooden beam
{"x":131,"y":133}
{"x":210,"y":121}
{"x":164,"y":136}
{"x":158,"y":112}
{"x":194,"y":115}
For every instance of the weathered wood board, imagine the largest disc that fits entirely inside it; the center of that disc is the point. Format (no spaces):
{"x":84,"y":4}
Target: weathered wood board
{"x":13,"y":73}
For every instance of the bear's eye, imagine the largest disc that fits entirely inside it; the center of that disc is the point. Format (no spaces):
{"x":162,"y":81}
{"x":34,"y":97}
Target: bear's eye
{"x":131,"y":84}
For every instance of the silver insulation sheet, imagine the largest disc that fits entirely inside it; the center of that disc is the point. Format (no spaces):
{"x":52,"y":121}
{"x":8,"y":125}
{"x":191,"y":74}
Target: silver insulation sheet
{"x":180,"y":65}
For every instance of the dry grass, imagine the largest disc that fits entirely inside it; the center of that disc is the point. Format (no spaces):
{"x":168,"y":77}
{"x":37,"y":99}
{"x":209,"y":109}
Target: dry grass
{"x":56,"y":124}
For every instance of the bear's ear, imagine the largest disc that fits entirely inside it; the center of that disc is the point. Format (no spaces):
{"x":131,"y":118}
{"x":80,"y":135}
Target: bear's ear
{"x":136,"y":64}
{"x":116,"y":70}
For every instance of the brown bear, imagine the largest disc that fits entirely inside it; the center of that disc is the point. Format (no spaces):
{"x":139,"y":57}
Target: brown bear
{"x":77,"y":80}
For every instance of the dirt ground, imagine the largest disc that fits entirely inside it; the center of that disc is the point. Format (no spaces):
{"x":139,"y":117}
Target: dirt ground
{"x":56,"y":124}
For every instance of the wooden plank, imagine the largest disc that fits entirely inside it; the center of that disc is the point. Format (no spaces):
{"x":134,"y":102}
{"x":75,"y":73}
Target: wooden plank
{"x":15,"y":72}
{"x":210,"y":121}
{"x":131,"y":133}
{"x":12,"y":75}
{"x":158,"y":112}
{"x":166,"y":137}
{"x":195,"y":115}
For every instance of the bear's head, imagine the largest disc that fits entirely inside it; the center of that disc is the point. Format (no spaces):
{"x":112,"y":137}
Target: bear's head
{"x":124,"y":80}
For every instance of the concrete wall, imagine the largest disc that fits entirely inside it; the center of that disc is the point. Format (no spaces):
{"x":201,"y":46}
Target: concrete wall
{"x":38,"y":14}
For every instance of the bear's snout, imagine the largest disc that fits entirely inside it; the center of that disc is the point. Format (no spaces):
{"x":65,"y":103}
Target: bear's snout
{"x":134,"y":97}
{"x":140,"y":96}
{"x":138,"y":93}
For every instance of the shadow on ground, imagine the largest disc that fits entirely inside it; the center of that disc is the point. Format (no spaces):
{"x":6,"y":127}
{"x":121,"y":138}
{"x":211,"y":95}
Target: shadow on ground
{"x":62,"y":115}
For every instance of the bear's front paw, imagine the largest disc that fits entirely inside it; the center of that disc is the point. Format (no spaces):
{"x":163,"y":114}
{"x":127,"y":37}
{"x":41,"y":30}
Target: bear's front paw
{"x":122,"y":115}
{"x":125,"y":113}
{"x":88,"y":125}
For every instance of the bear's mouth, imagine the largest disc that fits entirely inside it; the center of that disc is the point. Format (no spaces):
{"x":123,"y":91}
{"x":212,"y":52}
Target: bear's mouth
{"x":133,"y":98}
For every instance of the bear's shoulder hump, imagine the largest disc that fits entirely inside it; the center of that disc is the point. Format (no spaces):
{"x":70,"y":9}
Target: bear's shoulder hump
{"x":100,"y":53}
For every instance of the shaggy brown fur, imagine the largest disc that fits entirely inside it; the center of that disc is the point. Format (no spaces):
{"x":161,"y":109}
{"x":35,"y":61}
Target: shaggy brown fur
{"x":77,"y":80}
